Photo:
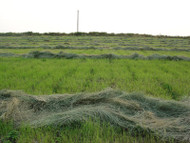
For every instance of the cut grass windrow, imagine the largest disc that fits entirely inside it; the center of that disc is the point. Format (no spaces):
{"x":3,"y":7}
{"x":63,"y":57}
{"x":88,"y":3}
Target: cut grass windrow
{"x":133,"y":112}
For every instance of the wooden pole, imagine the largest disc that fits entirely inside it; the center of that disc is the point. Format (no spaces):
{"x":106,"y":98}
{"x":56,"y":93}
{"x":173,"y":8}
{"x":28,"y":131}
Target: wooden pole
{"x":78,"y":21}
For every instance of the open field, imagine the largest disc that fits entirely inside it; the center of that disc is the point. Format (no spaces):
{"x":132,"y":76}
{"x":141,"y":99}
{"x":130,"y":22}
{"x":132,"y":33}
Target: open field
{"x":166,"y":80}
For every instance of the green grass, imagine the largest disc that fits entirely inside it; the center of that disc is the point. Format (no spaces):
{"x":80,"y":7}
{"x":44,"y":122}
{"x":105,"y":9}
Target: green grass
{"x":161,"y":78}
{"x":89,"y":131}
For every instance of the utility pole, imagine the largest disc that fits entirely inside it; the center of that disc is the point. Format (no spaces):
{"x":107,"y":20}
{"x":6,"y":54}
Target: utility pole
{"x":77,"y":21}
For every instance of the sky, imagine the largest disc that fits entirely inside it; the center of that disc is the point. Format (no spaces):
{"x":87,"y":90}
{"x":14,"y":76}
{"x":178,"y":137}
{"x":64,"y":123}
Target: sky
{"x":156,"y":17}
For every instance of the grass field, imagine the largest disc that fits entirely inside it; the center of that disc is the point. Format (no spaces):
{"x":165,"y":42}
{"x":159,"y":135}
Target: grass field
{"x":167,"y":79}
{"x":94,"y":41}
{"x":158,"y":78}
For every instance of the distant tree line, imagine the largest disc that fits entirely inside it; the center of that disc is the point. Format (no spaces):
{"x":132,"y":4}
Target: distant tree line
{"x":87,"y":34}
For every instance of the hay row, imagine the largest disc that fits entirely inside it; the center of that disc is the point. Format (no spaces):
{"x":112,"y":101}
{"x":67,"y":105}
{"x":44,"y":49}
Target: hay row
{"x":47,"y":54}
{"x":101,"y":48}
{"x":169,"y":119}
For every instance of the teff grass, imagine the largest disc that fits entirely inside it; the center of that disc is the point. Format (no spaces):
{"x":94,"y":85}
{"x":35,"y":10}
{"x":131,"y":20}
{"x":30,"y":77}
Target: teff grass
{"x":47,"y":76}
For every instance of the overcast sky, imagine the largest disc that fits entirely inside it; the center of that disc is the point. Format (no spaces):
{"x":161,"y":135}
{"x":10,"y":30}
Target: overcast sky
{"x":166,"y":17}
